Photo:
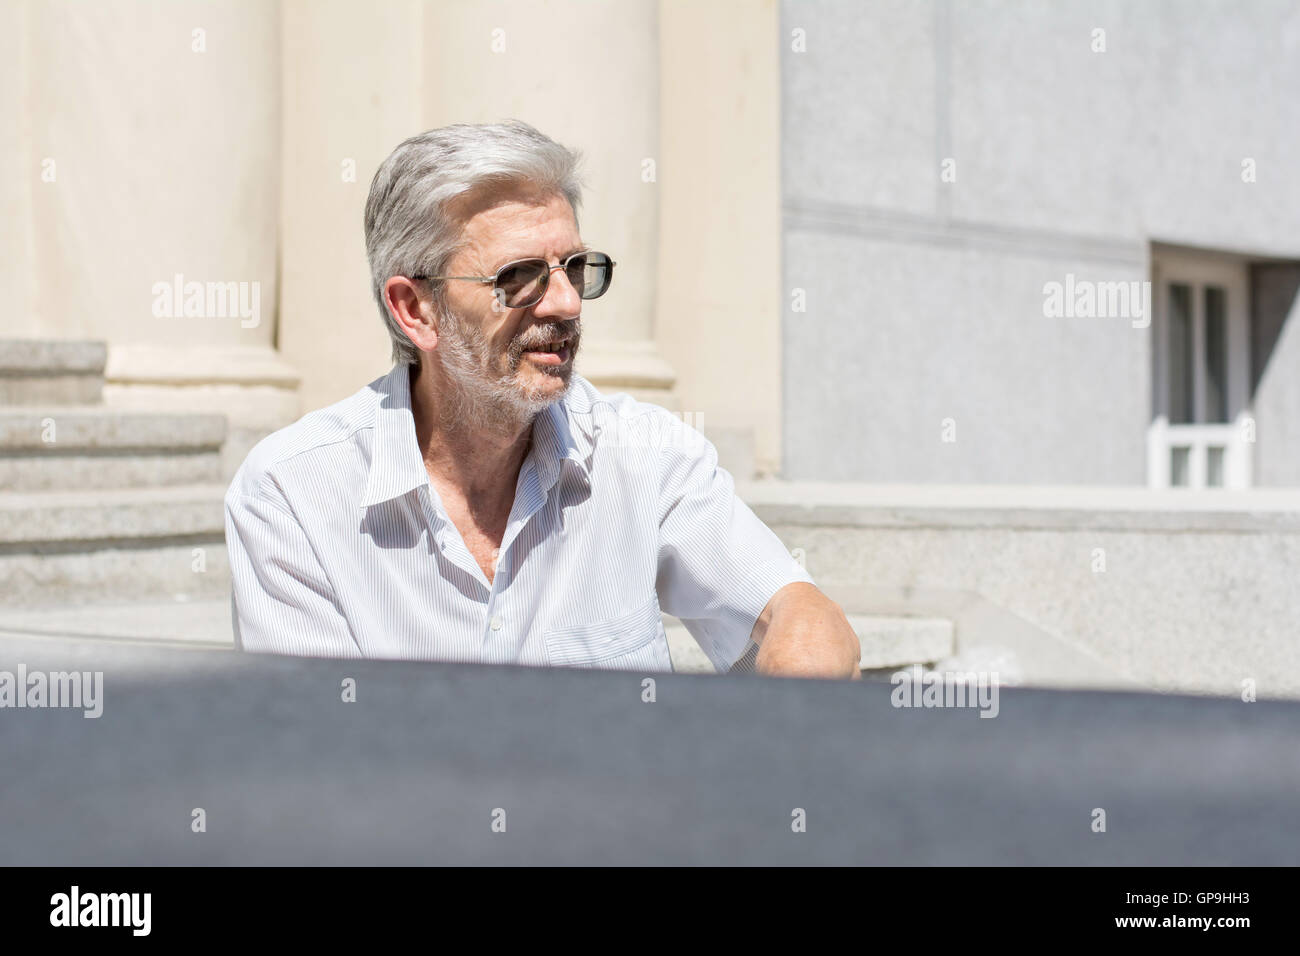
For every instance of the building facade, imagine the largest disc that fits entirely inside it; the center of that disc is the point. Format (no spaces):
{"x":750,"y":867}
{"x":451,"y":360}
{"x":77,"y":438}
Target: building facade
{"x":989,"y":307}
{"x":1041,"y":244}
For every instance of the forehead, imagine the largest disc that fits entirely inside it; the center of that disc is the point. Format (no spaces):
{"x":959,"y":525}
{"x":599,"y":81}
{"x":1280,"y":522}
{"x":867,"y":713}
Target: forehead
{"x":514,"y":223}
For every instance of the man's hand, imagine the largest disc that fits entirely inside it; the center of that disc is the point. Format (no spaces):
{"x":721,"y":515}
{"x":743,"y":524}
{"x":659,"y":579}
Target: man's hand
{"x":803,"y":633}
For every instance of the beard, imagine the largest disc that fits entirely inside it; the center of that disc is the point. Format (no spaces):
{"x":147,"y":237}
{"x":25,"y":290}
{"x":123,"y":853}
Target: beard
{"x":481,"y":396}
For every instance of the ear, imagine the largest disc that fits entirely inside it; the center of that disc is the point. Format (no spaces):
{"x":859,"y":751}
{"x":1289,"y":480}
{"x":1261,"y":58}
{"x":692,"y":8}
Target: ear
{"x":414,"y":314}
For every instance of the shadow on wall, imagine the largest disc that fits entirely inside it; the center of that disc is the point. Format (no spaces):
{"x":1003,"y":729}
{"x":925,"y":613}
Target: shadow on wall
{"x":1274,"y":355}
{"x":1273,"y":291}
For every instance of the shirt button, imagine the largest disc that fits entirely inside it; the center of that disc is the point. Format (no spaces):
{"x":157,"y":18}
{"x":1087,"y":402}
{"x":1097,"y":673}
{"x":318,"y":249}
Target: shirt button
{"x":496,"y":622}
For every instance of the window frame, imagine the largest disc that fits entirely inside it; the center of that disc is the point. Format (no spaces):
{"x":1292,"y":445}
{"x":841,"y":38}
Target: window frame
{"x":1199,"y":271}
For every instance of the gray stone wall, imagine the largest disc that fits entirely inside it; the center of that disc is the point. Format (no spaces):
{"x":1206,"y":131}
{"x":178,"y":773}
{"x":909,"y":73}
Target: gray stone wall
{"x":922,"y":299}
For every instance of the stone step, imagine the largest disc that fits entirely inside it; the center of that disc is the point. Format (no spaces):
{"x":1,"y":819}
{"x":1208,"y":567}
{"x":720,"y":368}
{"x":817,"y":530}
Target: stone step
{"x":51,"y":371}
{"x":79,"y":447}
{"x":125,"y":544}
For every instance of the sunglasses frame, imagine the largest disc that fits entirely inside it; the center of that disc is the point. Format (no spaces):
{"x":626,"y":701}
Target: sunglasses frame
{"x":495,"y":279}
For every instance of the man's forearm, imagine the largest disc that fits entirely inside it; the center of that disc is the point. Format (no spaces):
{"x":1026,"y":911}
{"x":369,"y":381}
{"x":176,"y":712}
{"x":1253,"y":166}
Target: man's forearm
{"x":803,"y":633}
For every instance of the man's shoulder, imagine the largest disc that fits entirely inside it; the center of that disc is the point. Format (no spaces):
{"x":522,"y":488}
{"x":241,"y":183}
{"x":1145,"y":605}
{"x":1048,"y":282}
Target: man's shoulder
{"x":586,"y":402}
{"x":619,"y":419}
{"x":315,"y":433}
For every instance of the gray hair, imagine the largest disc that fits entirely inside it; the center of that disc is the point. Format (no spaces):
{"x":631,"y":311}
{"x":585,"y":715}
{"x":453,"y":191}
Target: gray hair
{"x":409,"y":230}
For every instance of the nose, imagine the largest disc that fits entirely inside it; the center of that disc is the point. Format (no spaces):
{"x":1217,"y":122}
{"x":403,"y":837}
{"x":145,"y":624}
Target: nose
{"x":561,"y":298}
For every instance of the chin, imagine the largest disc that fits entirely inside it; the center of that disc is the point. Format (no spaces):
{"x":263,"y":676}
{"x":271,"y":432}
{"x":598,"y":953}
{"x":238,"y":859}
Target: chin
{"x":551,"y":385}
{"x":539,"y":388}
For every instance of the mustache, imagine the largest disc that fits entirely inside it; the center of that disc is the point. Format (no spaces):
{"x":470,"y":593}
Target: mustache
{"x":541,"y":335}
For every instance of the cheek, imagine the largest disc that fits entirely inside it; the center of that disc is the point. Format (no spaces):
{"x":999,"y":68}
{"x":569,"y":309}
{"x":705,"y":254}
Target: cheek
{"x":502,"y":334}
{"x":500,"y":346}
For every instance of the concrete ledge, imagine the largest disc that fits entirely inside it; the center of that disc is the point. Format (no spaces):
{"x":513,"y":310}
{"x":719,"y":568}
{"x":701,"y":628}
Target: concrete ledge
{"x":1013,"y":507}
{"x":886,"y":642}
{"x":1181,"y":593}
{"x":897,"y":641}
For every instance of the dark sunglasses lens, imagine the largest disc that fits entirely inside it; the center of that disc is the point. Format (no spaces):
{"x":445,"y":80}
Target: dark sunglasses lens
{"x":523,"y":283}
{"x":590,"y":274}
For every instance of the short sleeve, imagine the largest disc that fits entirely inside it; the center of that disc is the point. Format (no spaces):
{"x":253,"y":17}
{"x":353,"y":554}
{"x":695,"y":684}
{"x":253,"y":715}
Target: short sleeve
{"x":719,"y":565}
{"x":281,"y":601}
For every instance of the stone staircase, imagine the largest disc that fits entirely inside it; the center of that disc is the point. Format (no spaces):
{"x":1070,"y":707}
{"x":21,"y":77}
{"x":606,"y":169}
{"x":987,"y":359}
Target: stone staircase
{"x":99,"y":504}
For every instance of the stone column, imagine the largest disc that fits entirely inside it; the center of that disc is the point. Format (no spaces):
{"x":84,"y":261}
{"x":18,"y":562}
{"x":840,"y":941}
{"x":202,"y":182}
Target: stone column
{"x":720,"y":298}
{"x":20,"y":176}
{"x":351,"y":80}
{"x":157,"y":233}
{"x":587,"y":75}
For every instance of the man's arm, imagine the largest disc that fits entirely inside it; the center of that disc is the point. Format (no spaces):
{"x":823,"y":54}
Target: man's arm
{"x":730,"y":579}
{"x":282,"y":599}
{"x":803,"y":633}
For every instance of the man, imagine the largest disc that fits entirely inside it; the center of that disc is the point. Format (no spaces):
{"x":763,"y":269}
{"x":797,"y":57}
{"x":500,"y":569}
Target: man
{"x":482,"y":501}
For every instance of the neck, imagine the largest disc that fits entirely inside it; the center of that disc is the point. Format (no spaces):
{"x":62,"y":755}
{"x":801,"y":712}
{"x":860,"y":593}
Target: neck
{"x":476,"y":450}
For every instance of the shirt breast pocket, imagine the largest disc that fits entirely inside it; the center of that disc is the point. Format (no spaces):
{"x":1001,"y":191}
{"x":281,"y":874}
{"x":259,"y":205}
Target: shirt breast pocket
{"x":633,"y":640}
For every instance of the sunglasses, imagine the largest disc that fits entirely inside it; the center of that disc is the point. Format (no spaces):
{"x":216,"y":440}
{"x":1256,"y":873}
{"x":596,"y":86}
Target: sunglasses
{"x":522,"y":283}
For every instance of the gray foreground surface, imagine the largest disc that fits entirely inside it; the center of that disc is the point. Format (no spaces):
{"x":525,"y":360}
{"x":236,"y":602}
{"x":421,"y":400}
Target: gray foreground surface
{"x":710,"y":773}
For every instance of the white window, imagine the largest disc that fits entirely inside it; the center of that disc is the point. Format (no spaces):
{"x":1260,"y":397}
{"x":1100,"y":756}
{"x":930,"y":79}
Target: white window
{"x":1201,"y":433}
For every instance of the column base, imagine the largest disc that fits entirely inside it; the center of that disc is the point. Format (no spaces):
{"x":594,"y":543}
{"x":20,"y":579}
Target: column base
{"x":252,"y":386}
{"x":634,"y":367}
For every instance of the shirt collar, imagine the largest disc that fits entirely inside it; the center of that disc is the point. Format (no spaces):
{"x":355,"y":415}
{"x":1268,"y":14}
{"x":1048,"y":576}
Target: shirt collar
{"x":557,"y":440}
{"x":396,"y":465}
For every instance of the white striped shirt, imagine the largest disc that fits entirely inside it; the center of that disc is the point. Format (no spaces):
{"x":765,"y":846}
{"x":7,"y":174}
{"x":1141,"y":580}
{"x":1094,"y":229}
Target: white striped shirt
{"x":340,"y":547}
